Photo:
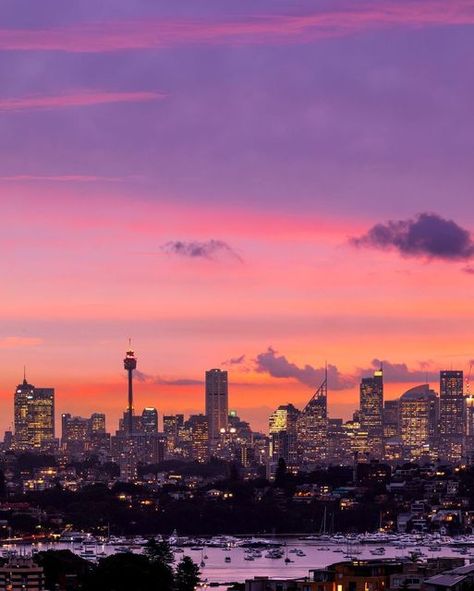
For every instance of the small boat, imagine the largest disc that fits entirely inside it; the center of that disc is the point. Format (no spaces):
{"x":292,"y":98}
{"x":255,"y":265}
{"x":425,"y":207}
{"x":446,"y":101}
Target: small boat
{"x":287,"y":560}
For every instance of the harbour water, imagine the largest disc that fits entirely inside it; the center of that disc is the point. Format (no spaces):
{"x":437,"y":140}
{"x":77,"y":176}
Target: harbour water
{"x":228,"y":562}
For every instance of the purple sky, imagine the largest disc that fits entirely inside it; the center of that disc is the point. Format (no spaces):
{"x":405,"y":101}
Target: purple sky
{"x":277,"y":129}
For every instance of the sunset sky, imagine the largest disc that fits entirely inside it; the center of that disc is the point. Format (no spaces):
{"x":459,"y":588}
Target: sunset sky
{"x":258,"y":186}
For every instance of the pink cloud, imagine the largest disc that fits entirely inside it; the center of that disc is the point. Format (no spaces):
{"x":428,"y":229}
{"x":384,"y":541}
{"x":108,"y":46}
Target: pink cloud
{"x":76,"y":99}
{"x":116,"y":36}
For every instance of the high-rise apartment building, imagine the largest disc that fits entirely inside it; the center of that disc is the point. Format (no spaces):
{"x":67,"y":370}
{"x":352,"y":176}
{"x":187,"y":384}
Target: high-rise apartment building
{"x":418,"y":421}
{"x":452,"y":415}
{"x":371,"y":412}
{"x":217,"y":402}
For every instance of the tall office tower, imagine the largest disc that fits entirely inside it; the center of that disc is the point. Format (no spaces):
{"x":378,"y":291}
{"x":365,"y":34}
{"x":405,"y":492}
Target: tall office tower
{"x":283,"y":435}
{"x":418,"y":421}
{"x":312,"y":428}
{"x":371,"y":412}
{"x":217,"y":402}
{"x":171,"y":427}
{"x":469,"y":441}
{"x":452,"y":414}
{"x":41,"y":427}
{"x":390,"y":418}
{"x":199,"y":437}
{"x":24,"y":393}
{"x":149,"y":422}
{"x":130,"y":364}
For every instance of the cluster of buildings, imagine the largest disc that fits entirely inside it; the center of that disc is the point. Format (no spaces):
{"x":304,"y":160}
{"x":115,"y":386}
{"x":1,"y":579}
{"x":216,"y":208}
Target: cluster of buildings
{"x":420,"y":425}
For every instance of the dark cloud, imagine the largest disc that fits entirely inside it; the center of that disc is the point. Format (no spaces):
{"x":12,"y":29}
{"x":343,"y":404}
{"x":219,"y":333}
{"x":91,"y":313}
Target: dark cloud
{"x":428,"y":235}
{"x":235,"y":360}
{"x":400,"y":372}
{"x":278,"y":366}
{"x":210,"y":249}
{"x":158,"y":380}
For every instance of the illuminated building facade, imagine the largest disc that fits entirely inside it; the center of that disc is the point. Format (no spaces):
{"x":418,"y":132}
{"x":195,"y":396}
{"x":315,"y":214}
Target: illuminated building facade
{"x":312,"y":428}
{"x":199,"y":427}
{"x":371,"y":412}
{"x":34,"y":418}
{"x":171,"y":427}
{"x":24,"y":393}
{"x":284,"y":435}
{"x":452,"y":414}
{"x":217,"y":402}
{"x":81,"y":435}
{"x":469,"y":441}
{"x":418,"y":421}
{"x":149,"y":420}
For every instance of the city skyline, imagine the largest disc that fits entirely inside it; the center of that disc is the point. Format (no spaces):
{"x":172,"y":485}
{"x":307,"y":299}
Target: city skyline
{"x":256,"y":188}
{"x":403,"y":379}
{"x":216,"y":400}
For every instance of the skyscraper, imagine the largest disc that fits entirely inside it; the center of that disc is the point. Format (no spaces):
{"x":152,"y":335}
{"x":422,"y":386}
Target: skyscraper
{"x":312,"y":427}
{"x":452,"y":414}
{"x":34,"y":417}
{"x":371,"y":412}
{"x":171,"y":427}
{"x":217,"y":402}
{"x":24,"y":393}
{"x":199,"y":427}
{"x":283,"y":434}
{"x":418,"y":420}
{"x":41,"y":428}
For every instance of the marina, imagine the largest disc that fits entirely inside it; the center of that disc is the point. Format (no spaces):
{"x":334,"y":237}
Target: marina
{"x":225,"y":559}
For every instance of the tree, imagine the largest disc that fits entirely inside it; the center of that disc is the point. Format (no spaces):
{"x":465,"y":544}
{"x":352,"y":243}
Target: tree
{"x":159,"y":552}
{"x":63,"y":569}
{"x":187,"y":575}
{"x":125,"y":571}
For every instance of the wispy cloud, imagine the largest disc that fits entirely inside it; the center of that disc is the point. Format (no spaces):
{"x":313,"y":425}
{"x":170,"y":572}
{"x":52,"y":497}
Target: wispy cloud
{"x":75,"y":99}
{"x":13,"y":342}
{"x":159,"y":380}
{"x":428,"y":235}
{"x":117,"y":36}
{"x":66,"y":178}
{"x":194,"y":249}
